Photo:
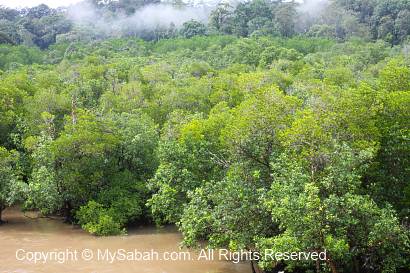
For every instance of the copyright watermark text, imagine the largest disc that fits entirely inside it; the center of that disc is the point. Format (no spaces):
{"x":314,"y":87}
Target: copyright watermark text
{"x":123,"y":255}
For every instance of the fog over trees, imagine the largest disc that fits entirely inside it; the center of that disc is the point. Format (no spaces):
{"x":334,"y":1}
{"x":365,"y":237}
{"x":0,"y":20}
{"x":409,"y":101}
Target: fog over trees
{"x":153,"y":20}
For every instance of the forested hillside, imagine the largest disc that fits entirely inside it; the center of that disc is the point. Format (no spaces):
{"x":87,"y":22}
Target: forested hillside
{"x":152,"y":20}
{"x":272,"y":125}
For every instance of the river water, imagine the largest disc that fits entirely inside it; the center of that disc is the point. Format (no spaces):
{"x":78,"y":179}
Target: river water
{"x":42,"y":235}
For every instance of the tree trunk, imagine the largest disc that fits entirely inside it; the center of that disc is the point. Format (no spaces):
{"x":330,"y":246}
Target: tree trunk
{"x":356,"y":266}
{"x":332,"y":266}
{"x":253,"y":267}
{"x":67,"y":213}
{"x":1,"y":210}
{"x":74,"y":110}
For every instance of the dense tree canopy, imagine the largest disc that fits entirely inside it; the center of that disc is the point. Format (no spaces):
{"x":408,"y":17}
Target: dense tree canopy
{"x":260,"y":129}
{"x":341,"y":19}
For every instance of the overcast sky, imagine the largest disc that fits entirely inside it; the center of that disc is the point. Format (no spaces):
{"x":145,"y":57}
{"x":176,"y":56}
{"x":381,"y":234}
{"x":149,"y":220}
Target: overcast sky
{"x":32,"y":3}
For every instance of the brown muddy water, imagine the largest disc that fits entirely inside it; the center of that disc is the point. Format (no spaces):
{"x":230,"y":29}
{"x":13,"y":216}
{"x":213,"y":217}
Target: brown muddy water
{"x":22,"y":236}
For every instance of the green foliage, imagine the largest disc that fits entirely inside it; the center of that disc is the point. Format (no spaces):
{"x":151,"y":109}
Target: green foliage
{"x":34,"y":26}
{"x":289,"y":144}
{"x":44,"y":27}
{"x":12,"y":55}
{"x":323,"y":210}
{"x":271,"y":54}
{"x":388,"y":19}
{"x":12,"y":189}
{"x":81,"y":154}
{"x":395,"y":76}
{"x":193,"y":28}
{"x":97,"y":220}
{"x":118,"y":204}
{"x":389,"y":174}
{"x":205,"y":217}
{"x":138,"y":136}
{"x":43,"y":189}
